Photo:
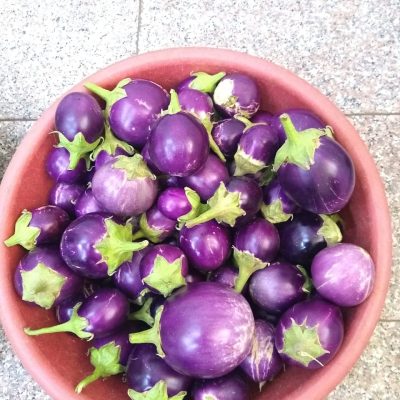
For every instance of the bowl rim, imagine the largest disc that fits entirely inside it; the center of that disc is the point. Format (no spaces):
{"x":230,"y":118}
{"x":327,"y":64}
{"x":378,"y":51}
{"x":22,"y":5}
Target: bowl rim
{"x":36,"y":363}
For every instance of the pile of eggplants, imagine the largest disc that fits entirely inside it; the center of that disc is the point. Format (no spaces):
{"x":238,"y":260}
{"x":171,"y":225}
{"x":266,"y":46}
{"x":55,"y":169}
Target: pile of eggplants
{"x":192,"y":237}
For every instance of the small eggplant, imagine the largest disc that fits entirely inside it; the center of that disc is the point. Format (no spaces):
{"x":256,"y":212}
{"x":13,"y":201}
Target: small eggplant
{"x":87,"y":204}
{"x":226,"y":134}
{"x":65,"y":196}
{"x":225,"y":275}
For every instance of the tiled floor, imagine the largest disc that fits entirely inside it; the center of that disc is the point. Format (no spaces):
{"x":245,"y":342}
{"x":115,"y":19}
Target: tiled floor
{"x":348,"y":49}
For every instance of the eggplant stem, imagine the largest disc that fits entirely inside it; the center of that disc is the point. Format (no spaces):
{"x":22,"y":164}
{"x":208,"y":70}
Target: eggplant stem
{"x":94,"y":376}
{"x":99,"y":91}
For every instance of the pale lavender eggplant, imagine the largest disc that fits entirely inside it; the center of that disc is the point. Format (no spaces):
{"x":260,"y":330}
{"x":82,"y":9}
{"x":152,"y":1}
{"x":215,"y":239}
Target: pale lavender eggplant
{"x":173,"y":203}
{"x":178,"y":144}
{"x":207,"y":179}
{"x":229,"y":387}
{"x":95,"y":245}
{"x":237,"y":94}
{"x":133,"y":108}
{"x":225,"y":275}
{"x":125,"y":186}
{"x":227,"y":134}
{"x":196,"y":102}
{"x":207,"y":343}
{"x":99,"y":315}
{"x":146,"y":368}
{"x":206,"y":245}
{"x":87,"y":204}
{"x":65,"y":196}
{"x":343,"y":274}
{"x":57,"y":166}
{"x":263,"y":363}
{"x":264,"y":117}
{"x":309,"y":334}
{"x":128,"y":279}
{"x":43,"y":225}
{"x":257,"y":148}
{"x":43,"y":278}
{"x":279,"y":286}
{"x":305,"y":235}
{"x":163,"y":269}
{"x":109,"y":356}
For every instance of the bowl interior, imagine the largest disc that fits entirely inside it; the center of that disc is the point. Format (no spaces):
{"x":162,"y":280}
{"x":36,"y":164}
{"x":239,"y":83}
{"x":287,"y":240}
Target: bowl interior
{"x":59,"y":361}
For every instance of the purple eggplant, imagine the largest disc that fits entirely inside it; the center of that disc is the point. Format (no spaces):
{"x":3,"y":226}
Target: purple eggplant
{"x":79,"y":124}
{"x":305,"y":235}
{"x":57,"y":166}
{"x":204,"y":330}
{"x":263,"y":363}
{"x":314,"y":170}
{"x":343,"y":274}
{"x":178,"y":144}
{"x":179,"y":204}
{"x":225,"y":275}
{"x":65,"y":196}
{"x":201,"y":81}
{"x":109,"y":356}
{"x":128,"y":279}
{"x":226,"y":134}
{"x":255,"y":245}
{"x":229,"y":387}
{"x":99,"y":315}
{"x":206,"y":180}
{"x":146,"y":157}
{"x":196,"y":102}
{"x":95,"y":245}
{"x":207,"y":246}
{"x":87,"y":204}
{"x":110,"y":148}
{"x":257,"y":148}
{"x":264,"y":117}
{"x":132,"y":107}
{"x":43,"y":278}
{"x":163,"y":269}
{"x":65,"y":309}
{"x":146,"y":368}
{"x":237,"y":94}
{"x":302,"y":119}
{"x":279,"y":286}
{"x":43,"y":225}
{"x":277,"y":206}
{"x":310,"y":333}
{"x":125,"y":186}
{"x":155,"y":226}
{"x":194,"y":276}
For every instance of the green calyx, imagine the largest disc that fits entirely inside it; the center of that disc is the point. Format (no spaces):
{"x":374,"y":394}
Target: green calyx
{"x":245,"y":164}
{"x":78,"y":148}
{"x":24,"y":235}
{"x":195,"y":202}
{"x":76,"y":325}
{"x":157,"y":392}
{"x":205,"y":82}
{"x":299,"y":147}
{"x":117,"y":247}
{"x":307,"y":286}
{"x":267,"y":175}
{"x":174,"y":105}
{"x":105,"y":361}
{"x":274,"y":212}
{"x":42,"y":285}
{"x":144,"y":313}
{"x":302,"y":344}
{"x":110,"y":144}
{"x":151,"y":335}
{"x":109,"y":96}
{"x":142,"y":297}
{"x":213,"y":145}
{"x":134,"y":167}
{"x":248,"y":124}
{"x":146,"y":231}
{"x":223,"y":206}
{"x":247,"y":265}
{"x":330,"y":230}
{"x":165,"y":276}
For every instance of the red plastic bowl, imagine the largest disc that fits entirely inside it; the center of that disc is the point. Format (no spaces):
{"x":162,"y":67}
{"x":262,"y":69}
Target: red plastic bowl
{"x":59,"y":361}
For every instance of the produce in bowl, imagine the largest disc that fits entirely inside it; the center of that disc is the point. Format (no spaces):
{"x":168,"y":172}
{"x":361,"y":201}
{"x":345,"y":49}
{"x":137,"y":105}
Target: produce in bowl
{"x":206,"y":330}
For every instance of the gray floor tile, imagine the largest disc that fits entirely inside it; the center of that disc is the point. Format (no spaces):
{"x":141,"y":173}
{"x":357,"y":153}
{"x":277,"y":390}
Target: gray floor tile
{"x":48,"y":46}
{"x":348,"y":49}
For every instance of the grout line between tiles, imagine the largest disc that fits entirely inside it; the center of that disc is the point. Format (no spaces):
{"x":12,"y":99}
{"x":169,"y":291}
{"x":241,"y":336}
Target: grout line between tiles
{"x":389,"y":320}
{"x":371,"y":114}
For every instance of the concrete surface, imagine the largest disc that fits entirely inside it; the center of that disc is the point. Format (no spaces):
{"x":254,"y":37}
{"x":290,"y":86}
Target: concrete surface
{"x":348,"y":49}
